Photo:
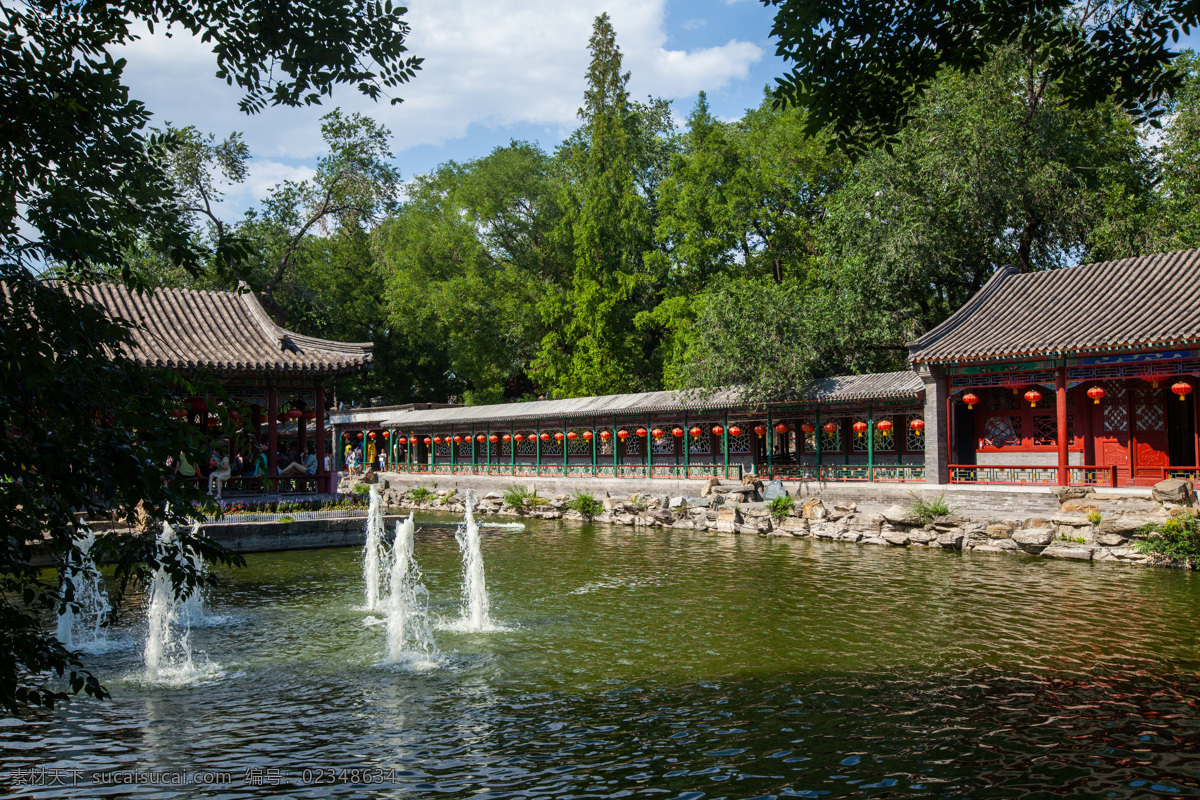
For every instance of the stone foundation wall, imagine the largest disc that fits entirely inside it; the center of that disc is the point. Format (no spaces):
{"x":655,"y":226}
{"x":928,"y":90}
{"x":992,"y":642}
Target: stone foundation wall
{"x":1082,"y":525}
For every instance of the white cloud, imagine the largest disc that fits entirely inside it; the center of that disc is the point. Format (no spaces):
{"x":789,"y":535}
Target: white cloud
{"x":492,"y":64}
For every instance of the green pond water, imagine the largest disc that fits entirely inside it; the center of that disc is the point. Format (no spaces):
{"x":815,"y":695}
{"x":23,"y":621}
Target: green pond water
{"x":661,"y":664}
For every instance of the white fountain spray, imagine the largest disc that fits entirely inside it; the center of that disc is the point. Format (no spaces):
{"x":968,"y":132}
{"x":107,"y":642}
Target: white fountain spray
{"x":168,"y":651}
{"x":371,"y":551}
{"x":85,"y":630}
{"x":409,"y":634}
{"x":193,"y":606}
{"x":476,"y":615}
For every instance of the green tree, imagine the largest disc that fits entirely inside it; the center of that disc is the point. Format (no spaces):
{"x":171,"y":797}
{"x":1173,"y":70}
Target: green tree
{"x":467,"y":257}
{"x":862,"y":67}
{"x":592,"y":345}
{"x":81,"y":182}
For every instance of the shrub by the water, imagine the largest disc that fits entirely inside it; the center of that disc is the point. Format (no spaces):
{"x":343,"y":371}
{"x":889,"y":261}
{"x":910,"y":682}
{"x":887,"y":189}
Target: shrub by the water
{"x":519,"y":496}
{"x":361,"y":488}
{"x":419,"y":494}
{"x":1176,"y":540}
{"x":585,"y":504}
{"x":926,"y":511}
{"x":780,"y":507}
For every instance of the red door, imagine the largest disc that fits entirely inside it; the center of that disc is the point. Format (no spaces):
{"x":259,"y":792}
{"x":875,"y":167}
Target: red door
{"x":1149,"y":418}
{"x":1110,"y":423}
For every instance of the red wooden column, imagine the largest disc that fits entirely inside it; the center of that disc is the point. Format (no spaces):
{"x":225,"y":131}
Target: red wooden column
{"x":319,"y":435}
{"x":1060,"y":390}
{"x":272,"y":434}
{"x":301,"y":434}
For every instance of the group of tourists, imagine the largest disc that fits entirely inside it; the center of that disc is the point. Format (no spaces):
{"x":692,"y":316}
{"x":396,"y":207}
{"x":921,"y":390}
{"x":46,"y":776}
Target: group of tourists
{"x":253,"y":464}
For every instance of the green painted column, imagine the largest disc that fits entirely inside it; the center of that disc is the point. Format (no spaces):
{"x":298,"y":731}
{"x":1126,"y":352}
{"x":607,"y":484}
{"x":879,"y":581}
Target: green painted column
{"x":770,"y":440}
{"x":820,"y":435}
{"x":537,"y":449}
{"x":595,"y":466}
{"x":725,"y":443}
{"x":617,"y":443}
{"x":649,"y":451}
{"x":687,"y":449}
{"x":474,"y":452}
{"x":566,"y":445}
{"x":848,"y":426}
{"x":453,"y":453}
{"x":512,"y":446}
{"x":870,"y":442}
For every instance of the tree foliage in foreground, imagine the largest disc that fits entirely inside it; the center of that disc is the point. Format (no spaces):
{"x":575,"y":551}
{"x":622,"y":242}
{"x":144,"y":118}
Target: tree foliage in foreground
{"x":81,"y":185}
{"x":862,"y":67}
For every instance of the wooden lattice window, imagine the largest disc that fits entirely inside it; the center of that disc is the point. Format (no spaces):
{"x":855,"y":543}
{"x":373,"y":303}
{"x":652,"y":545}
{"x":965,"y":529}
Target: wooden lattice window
{"x":914,"y":442}
{"x":1003,"y":431}
{"x":700,"y":445}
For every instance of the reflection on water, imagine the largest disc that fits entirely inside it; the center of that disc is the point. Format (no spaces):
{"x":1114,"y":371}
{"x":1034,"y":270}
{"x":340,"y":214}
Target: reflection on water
{"x":665,"y":663}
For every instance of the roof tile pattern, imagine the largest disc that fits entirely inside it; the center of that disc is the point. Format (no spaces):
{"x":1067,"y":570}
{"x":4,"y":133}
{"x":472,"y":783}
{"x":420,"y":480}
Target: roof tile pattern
{"x":1131,"y":303}
{"x":830,"y":390}
{"x":186,"y":329}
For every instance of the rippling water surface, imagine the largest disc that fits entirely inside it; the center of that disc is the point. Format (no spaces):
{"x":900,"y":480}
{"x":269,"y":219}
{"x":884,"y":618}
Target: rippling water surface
{"x":660,"y":664}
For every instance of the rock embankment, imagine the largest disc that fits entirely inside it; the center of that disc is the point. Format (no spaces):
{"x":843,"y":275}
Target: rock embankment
{"x":1088,"y":526}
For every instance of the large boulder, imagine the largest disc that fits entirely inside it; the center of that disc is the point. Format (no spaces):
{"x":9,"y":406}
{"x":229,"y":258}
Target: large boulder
{"x":1173,"y":490}
{"x":1065,"y":493}
{"x":774,"y":490}
{"x":1034,"y":540}
{"x":708,"y":486}
{"x":814,"y":509}
{"x":1080,"y":552}
{"x":899,"y":515}
{"x":729,"y":513}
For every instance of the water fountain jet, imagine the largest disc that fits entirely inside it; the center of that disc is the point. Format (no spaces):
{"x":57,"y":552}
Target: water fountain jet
{"x":408,"y":631}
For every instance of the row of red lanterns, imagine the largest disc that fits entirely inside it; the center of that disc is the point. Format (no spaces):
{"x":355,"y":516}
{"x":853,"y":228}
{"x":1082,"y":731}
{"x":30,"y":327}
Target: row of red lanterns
{"x":1097,"y":393}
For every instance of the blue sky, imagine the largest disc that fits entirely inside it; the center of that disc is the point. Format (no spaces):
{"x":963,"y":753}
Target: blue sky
{"x":495,"y":70}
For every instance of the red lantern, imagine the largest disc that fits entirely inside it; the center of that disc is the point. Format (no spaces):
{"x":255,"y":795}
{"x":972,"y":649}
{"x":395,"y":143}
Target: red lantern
{"x":481,"y":438}
{"x":761,"y":430}
{"x":494,"y":438}
{"x":782,"y":428}
{"x":859,"y":427}
{"x":917,"y":425}
{"x":1016,"y":387}
{"x":360,"y":434}
{"x":178,"y":413}
{"x":458,"y":440}
{"x":436,"y":440}
{"x":606,"y":435}
{"x":295,"y":413}
{"x":508,"y":437}
{"x":1154,"y":380}
{"x":572,"y":435}
{"x":428,"y":441}
{"x":622,"y":435}
{"x":309,"y":415}
{"x":971,"y":399}
{"x":717,"y":430}
{"x":657,"y":432}
{"x":830,"y":427}
{"x":545,"y":437}
{"x":734,"y":430}
{"x":1034,"y":397}
{"x":695,"y":432}
{"x":387,"y":434}
{"x":371,"y":435}
{"x":519,"y":438}
{"x":587,"y":435}
{"x":808,"y":427}
{"x":641,"y":433}
{"x":412,"y":440}
{"x":558,"y":437}
{"x":346,"y":436}
{"x":1097,"y":394}
{"x":677,"y":432}
{"x":884,"y":426}
{"x":1182,"y":388}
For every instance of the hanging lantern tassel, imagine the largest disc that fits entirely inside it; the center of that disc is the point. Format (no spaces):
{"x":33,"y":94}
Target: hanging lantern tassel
{"x":1183,"y":389}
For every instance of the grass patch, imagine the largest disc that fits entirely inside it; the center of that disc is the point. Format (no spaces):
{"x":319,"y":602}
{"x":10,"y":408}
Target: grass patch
{"x":419,"y":494}
{"x":1074,"y":539}
{"x":585,"y":504}
{"x":781,"y":507}
{"x":447,"y":499}
{"x":361,"y":488}
{"x":925,"y":511}
{"x":519,"y":496}
{"x":1094,"y":517}
{"x":1176,"y":540}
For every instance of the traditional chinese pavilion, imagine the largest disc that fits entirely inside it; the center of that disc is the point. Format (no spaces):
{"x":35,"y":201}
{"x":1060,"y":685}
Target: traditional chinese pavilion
{"x":276,"y":378}
{"x":1079,"y":376}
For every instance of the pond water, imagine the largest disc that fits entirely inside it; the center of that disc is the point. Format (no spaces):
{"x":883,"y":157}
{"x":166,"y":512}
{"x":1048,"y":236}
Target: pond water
{"x":658,"y":663}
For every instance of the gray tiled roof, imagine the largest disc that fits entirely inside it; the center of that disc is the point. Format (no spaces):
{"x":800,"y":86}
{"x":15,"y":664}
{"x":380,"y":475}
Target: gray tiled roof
{"x":876,"y":386}
{"x":224,"y":331}
{"x":830,"y":390}
{"x":1126,"y":304}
